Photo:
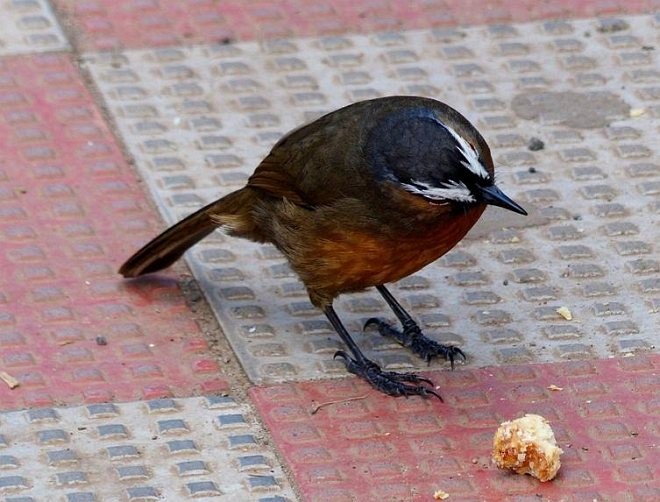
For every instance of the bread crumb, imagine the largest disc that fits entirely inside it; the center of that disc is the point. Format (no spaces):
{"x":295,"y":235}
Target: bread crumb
{"x":11,"y":382}
{"x":440,"y":495}
{"x":552,"y":386}
{"x":565,"y":313}
{"x":527,"y":445}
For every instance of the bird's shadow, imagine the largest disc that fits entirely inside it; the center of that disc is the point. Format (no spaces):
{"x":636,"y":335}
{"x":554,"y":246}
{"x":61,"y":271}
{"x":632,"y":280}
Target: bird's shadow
{"x":153,"y":288}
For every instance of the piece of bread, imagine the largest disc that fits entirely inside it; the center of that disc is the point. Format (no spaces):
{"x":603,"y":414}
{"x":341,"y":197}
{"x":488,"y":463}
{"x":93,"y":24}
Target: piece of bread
{"x":527,"y":446}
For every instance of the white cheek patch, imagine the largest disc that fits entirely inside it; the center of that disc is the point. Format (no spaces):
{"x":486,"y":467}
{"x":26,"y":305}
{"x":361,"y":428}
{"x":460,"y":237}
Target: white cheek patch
{"x":452,"y":190}
{"x":470,"y":155}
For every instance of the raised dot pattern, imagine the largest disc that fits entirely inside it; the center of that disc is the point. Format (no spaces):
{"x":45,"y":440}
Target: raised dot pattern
{"x":589,"y":237}
{"x":70,"y":329}
{"x":157,"y":449}
{"x":342,"y":441}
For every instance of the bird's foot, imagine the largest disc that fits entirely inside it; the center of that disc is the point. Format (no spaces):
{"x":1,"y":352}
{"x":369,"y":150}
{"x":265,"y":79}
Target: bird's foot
{"x":388,"y":382}
{"x":411,"y":336}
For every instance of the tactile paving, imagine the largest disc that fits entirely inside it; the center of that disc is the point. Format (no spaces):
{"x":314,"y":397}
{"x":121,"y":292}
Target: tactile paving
{"x":344,"y":441}
{"x":112,"y":25}
{"x":199,"y":119}
{"x":70,"y":209}
{"x":202,"y":448}
{"x":29,"y":26}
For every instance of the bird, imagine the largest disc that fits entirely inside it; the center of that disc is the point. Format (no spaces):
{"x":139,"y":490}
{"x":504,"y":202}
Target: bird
{"x":361,"y":197}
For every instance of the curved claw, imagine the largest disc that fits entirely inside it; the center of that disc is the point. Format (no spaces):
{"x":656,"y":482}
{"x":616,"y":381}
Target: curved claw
{"x":389,"y":382}
{"x":429,"y":391}
{"x":426,"y":381}
{"x":407,"y":377}
{"x":411,"y":336}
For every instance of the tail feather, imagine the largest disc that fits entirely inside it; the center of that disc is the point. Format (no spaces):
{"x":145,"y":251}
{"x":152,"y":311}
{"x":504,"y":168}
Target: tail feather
{"x":166,"y":248}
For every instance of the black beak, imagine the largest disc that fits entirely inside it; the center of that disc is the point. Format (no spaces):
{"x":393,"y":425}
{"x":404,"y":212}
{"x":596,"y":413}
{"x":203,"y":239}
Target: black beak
{"x":496,"y":197}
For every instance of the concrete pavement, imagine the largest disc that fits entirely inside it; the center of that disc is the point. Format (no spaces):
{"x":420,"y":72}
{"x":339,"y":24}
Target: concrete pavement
{"x":117,"y":118}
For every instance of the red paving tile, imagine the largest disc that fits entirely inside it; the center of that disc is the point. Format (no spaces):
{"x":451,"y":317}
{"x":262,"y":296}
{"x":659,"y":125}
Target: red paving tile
{"x":111,"y":24}
{"x":381,"y":448}
{"x":70,"y":210}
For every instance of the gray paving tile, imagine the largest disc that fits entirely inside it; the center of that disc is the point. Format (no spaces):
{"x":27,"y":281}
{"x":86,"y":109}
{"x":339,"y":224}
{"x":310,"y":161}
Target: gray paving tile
{"x":569,"y":111}
{"x":29,"y":26}
{"x":166,"y":449}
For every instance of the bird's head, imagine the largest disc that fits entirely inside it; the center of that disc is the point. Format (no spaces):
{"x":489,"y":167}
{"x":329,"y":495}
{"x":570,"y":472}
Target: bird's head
{"x":438,"y":155}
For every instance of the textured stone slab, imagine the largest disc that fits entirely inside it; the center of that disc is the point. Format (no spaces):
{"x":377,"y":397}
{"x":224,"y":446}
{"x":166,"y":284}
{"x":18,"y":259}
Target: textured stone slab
{"x":29,"y":26}
{"x":199,"y":119}
{"x":344,"y":441}
{"x":71,"y":331}
{"x":166,"y":449}
{"x":112,"y":25}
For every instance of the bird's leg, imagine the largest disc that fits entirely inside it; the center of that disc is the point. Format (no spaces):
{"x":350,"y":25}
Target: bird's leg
{"x":411,"y":335}
{"x":388,"y":382}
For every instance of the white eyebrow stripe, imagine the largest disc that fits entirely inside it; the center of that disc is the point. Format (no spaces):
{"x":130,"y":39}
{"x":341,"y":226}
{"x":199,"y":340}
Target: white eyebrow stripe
{"x":452,"y":190}
{"x":469,"y":154}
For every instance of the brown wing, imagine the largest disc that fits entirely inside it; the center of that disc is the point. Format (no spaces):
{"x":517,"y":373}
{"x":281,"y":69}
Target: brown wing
{"x":272,"y":177}
{"x":286,"y":170}
{"x":320,"y":161}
